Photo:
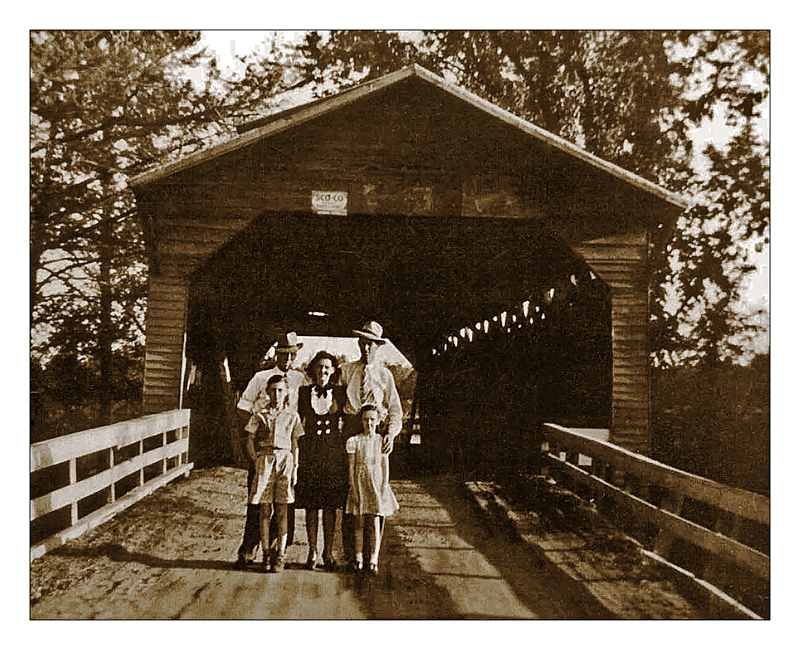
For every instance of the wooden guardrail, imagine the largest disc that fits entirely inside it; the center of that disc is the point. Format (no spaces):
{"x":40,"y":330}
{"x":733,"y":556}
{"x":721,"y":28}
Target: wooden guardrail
{"x":80,"y":480}
{"x":628,"y":478}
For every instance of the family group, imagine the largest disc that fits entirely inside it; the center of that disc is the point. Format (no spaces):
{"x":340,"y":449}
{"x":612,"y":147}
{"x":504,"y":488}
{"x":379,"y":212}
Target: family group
{"x":320,"y":441}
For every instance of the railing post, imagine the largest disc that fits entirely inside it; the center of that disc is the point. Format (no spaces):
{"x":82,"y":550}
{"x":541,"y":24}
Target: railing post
{"x":555,"y":450}
{"x":572,"y":458}
{"x":141,"y":470}
{"x":163,"y":445}
{"x":112,"y":487}
{"x":184,"y":457}
{"x":73,"y":480}
{"x":673,"y":503}
{"x":715,"y":570}
{"x":544,"y":450}
{"x":596,"y":470}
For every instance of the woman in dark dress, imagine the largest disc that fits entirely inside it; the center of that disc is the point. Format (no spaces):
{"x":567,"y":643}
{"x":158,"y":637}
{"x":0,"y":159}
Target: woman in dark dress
{"x":322,"y":473}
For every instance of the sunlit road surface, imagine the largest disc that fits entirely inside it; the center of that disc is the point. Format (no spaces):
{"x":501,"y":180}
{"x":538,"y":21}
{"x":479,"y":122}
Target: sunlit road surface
{"x":170,"y":557}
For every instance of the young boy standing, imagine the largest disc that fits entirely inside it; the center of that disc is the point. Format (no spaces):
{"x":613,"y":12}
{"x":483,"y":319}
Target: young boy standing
{"x":253,"y":400}
{"x":272,"y":447}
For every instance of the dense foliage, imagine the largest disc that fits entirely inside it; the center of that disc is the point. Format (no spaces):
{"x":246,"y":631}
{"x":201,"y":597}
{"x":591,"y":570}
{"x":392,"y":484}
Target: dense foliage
{"x":715,"y":422}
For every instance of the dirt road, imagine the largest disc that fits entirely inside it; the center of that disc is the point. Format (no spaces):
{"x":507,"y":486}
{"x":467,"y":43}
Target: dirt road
{"x":169,"y":557}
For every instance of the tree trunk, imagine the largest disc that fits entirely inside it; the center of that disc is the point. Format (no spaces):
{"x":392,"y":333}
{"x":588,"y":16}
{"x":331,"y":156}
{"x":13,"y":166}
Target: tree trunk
{"x":105,"y":335}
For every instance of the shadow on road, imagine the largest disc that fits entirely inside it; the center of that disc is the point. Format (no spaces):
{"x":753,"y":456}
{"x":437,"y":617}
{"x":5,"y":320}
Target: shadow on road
{"x":536,"y":585}
{"x":402,"y":590}
{"x":118,"y":553}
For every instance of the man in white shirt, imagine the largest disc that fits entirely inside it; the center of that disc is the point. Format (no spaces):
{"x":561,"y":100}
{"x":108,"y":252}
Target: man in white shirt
{"x":368,"y":381}
{"x":253,"y":400}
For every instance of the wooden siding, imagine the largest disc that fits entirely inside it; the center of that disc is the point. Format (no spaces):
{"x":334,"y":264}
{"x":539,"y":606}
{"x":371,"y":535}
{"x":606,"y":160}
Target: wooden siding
{"x":493,"y":195}
{"x":622,"y":263}
{"x":163,"y":357}
{"x":419,"y":85}
{"x":405,"y":151}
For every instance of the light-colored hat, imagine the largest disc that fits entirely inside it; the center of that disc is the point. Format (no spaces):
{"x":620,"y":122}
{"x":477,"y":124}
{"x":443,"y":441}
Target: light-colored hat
{"x":371,"y":331}
{"x":288,"y":343}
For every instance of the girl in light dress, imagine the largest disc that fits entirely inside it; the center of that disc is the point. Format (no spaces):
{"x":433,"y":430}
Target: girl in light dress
{"x":370,"y":495}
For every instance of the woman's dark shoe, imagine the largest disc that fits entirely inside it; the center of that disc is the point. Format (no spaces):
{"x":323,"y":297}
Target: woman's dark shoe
{"x":312,"y":561}
{"x":373,"y":569}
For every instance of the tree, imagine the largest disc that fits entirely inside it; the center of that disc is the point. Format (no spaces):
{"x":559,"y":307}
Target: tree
{"x":633,"y":98}
{"x":106,"y":105}
{"x":726,"y":76}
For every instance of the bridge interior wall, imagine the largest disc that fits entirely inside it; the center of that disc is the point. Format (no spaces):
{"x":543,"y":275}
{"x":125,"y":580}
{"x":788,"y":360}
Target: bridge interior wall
{"x":482,"y":404}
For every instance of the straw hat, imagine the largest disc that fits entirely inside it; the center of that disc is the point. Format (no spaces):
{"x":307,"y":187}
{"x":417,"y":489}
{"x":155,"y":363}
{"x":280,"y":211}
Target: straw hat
{"x":288,"y":343}
{"x":371,"y":331}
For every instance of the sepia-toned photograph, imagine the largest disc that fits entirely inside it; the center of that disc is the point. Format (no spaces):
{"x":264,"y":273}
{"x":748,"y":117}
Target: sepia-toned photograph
{"x":453,"y":325}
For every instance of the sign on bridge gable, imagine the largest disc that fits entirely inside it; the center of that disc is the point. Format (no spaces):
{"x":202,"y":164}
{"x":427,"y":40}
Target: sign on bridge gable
{"x":325,"y":202}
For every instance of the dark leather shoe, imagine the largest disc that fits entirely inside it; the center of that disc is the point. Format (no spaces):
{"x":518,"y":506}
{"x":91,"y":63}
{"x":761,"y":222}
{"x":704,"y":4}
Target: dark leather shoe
{"x":242,"y":564}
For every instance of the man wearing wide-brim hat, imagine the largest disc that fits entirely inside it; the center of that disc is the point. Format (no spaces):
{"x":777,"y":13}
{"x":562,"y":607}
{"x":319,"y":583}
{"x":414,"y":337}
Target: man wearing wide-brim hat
{"x":254,"y":397}
{"x":253,"y":400}
{"x":368,"y":381}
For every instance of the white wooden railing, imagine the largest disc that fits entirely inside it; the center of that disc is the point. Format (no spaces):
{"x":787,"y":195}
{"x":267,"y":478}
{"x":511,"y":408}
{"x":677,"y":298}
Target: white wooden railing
{"x":135,"y":457}
{"x":628,"y":479}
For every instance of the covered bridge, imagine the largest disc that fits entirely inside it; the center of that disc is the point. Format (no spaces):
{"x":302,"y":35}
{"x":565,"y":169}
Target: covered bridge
{"x":508,"y":265}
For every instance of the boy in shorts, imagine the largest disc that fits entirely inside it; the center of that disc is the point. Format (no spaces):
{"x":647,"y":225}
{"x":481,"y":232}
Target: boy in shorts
{"x":272,"y":446}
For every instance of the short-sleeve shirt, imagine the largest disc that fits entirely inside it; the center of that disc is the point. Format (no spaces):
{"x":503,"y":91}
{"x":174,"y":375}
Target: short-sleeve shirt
{"x":273,"y":429}
{"x":255,"y":399}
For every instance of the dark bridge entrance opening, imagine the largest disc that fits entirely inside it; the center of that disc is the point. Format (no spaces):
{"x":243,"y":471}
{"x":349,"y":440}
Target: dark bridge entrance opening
{"x":504,"y":323}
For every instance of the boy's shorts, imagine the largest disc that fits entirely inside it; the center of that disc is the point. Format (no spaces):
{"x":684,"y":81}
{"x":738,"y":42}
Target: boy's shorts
{"x":273,"y":480}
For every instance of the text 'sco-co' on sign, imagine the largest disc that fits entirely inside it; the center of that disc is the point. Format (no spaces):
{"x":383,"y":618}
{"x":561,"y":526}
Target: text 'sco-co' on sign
{"x":325,"y":202}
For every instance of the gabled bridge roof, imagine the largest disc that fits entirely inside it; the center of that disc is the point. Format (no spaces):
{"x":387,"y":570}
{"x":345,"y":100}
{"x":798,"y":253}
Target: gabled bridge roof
{"x":271,"y":125}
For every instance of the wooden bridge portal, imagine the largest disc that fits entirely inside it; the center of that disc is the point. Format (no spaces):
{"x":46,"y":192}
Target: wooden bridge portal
{"x":510,"y":266}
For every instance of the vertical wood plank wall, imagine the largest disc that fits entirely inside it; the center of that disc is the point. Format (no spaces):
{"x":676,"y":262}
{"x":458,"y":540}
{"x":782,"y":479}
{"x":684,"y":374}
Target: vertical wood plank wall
{"x":166,"y":318}
{"x":622,"y":263}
